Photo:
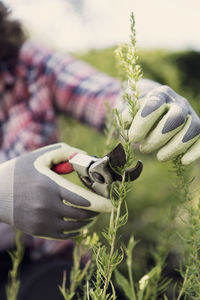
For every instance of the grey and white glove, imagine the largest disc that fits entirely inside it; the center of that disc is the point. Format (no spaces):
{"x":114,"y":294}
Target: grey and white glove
{"x":40,"y":202}
{"x":166,"y":122}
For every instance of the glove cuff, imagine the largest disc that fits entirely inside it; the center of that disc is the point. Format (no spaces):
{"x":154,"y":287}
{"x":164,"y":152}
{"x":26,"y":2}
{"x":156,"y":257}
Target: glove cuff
{"x":6,"y":191}
{"x":145,"y":86}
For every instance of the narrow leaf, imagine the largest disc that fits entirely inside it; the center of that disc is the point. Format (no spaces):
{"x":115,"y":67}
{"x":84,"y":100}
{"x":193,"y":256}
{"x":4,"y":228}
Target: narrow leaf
{"x":123,"y":284}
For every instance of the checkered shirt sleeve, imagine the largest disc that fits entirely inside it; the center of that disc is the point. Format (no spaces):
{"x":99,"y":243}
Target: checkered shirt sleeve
{"x":77,"y":88}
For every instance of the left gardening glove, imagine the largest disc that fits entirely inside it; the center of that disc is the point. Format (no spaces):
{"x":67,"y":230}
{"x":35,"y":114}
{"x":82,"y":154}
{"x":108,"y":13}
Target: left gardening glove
{"x":165,"y":122}
{"x":38,"y":201}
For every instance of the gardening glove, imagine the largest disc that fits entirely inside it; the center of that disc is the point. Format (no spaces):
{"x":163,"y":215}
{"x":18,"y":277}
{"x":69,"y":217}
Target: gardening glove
{"x":167,"y":122}
{"x":38,"y":201}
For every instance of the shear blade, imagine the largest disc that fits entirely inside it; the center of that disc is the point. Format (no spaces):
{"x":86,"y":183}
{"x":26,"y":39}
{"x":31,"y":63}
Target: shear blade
{"x":132,"y":173}
{"x":117,"y":157}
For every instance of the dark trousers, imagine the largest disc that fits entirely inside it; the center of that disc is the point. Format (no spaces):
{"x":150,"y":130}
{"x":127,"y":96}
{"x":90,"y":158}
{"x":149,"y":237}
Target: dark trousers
{"x":39,"y":279}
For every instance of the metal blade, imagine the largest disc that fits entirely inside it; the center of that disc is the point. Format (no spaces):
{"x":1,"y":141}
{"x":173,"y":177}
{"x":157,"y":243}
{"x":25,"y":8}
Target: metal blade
{"x":117,"y":157}
{"x":131,"y":174}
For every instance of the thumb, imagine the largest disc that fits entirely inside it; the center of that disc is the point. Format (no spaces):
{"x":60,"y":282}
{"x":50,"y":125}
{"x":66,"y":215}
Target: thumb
{"x":54,"y":154}
{"x":77,"y":196}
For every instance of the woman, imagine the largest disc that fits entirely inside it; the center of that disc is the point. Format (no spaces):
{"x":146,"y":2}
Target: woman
{"x":35,"y":83}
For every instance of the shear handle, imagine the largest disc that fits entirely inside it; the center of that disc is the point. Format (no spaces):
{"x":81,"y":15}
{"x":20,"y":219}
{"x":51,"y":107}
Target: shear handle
{"x":64,"y":167}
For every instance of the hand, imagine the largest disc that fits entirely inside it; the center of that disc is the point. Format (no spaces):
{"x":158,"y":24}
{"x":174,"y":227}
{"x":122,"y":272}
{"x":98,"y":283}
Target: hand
{"x":43,"y":203}
{"x":167,"y":122}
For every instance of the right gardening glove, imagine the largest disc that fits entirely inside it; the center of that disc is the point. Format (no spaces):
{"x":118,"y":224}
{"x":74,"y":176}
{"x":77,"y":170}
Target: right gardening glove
{"x":165,"y":122}
{"x":38,"y":201}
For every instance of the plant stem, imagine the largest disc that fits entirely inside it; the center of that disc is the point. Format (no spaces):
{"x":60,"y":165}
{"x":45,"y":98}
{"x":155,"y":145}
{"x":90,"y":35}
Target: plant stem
{"x":17,"y":255}
{"x":130,"y":275}
{"x":109,"y":271}
{"x":76,"y":268}
{"x":183,"y":285}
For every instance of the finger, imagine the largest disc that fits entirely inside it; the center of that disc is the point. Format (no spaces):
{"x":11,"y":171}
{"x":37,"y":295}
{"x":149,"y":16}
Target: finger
{"x":76,"y":213}
{"x":194,"y":128}
{"x":59,"y":236}
{"x":177,"y":145}
{"x":68,"y":226}
{"x":192,"y":154}
{"x":144,"y":87}
{"x":54,"y":154}
{"x":77,"y":196}
{"x":170,"y":124}
{"x":126,"y":116}
{"x":65,"y":236}
{"x":155,"y":105}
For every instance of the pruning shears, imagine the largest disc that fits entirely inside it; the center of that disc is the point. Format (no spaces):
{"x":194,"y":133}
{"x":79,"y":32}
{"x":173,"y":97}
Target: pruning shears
{"x":98,"y":174}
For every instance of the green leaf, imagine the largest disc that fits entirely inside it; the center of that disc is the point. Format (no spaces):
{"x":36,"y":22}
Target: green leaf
{"x":131,"y":245}
{"x":164,"y":284}
{"x":113,"y":291}
{"x":123,"y":283}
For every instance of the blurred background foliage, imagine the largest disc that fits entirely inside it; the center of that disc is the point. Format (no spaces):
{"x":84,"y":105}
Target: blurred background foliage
{"x":151,"y":194}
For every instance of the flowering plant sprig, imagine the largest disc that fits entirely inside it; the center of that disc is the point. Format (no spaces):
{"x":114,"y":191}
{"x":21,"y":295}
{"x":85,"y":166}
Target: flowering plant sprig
{"x":109,"y":257}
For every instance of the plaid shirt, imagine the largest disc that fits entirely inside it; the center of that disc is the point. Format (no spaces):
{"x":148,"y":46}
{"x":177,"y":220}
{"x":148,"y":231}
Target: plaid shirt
{"x":42,"y":83}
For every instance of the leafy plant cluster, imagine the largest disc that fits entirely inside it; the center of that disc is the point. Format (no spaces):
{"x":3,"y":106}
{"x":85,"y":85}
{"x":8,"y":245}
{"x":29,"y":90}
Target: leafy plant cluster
{"x":154,"y":284}
{"x":181,"y":219}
